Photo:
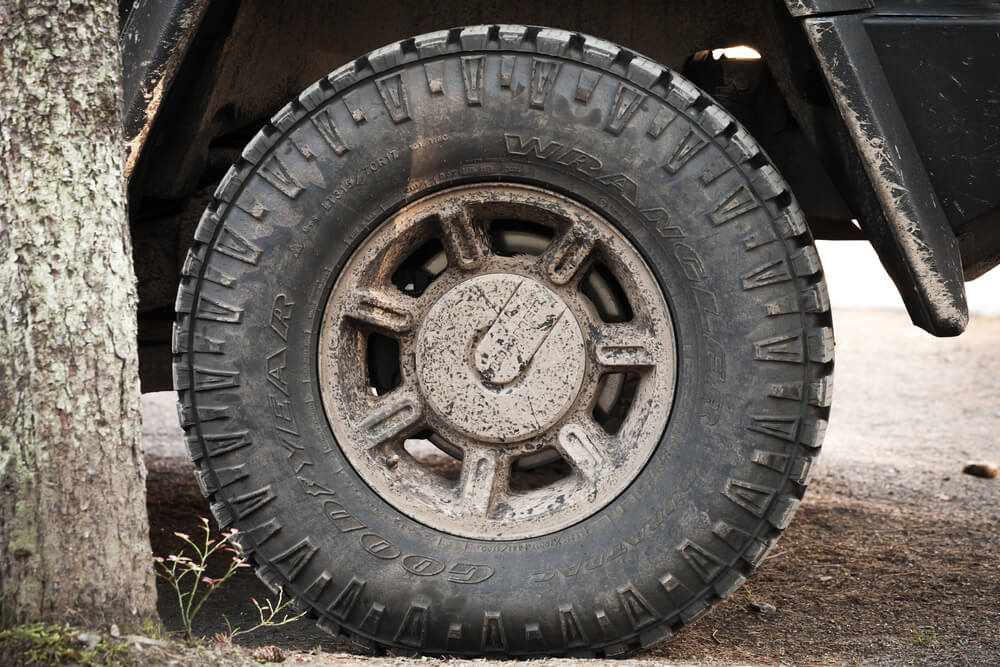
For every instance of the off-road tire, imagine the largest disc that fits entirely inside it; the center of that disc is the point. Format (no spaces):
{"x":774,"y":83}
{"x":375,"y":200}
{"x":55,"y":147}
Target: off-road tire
{"x":675,"y":174}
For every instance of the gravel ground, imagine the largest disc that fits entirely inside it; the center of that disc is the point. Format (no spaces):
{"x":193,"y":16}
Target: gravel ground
{"x":894,"y":556}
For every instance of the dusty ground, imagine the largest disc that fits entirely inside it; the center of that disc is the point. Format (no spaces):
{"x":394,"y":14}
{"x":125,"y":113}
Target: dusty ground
{"x":893,"y":558}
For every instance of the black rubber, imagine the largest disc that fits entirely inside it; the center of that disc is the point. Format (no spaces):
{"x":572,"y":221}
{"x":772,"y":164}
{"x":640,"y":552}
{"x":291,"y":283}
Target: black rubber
{"x":626,"y":137}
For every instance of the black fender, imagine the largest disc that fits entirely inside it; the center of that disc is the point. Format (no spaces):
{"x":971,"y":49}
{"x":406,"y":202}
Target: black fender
{"x":154,"y":38}
{"x":915,"y":226}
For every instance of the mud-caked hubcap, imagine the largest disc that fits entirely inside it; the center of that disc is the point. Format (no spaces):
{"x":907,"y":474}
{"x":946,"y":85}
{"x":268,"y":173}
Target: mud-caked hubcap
{"x":500,"y":358}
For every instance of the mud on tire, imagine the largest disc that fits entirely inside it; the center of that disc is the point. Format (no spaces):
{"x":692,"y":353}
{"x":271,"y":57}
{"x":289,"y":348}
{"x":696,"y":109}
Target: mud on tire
{"x":621,"y":137}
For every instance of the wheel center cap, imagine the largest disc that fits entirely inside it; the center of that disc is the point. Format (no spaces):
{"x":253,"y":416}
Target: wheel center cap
{"x":500,"y":358}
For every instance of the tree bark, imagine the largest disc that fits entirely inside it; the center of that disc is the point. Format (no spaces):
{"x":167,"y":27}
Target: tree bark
{"x":74,"y":534}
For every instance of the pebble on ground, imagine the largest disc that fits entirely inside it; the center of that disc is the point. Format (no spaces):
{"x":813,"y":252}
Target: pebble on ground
{"x":983,"y":469}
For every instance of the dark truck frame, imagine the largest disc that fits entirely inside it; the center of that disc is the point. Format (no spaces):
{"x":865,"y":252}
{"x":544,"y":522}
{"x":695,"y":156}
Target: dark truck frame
{"x":884,"y":112}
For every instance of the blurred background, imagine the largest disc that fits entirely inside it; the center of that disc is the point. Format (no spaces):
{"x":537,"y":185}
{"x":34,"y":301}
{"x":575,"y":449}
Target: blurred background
{"x":856,"y":279}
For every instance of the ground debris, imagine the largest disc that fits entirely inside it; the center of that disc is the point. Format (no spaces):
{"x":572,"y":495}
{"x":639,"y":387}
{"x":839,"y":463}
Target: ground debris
{"x":762,"y":607}
{"x":141,"y":640}
{"x":984,"y":469}
{"x":268,"y":654}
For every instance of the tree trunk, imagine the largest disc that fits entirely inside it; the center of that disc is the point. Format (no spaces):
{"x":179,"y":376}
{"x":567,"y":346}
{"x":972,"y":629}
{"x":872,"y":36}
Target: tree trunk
{"x":74,"y":536}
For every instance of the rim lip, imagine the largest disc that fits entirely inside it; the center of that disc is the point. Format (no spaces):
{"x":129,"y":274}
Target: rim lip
{"x":520,"y":195}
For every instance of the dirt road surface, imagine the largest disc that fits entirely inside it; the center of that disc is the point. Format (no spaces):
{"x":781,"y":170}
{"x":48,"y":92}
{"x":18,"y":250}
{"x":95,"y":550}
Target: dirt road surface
{"x":893,"y":557}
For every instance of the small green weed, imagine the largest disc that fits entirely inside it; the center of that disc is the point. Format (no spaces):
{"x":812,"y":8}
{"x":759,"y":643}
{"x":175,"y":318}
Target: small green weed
{"x":921,"y":639}
{"x":268,"y":617}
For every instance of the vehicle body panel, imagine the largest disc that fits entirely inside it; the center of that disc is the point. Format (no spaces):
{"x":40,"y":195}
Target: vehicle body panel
{"x":858,"y":105}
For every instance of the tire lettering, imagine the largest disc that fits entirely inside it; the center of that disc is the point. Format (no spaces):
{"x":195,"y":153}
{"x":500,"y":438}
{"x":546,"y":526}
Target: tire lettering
{"x":284,"y":418}
{"x":276,"y":366}
{"x":281,"y":314}
{"x":466,"y":573}
{"x":379,"y":547}
{"x":595,"y":562}
{"x":422,"y":566}
{"x":341,"y":518}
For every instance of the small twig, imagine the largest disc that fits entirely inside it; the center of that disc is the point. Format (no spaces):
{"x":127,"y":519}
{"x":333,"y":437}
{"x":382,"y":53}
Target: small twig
{"x":267,"y":617}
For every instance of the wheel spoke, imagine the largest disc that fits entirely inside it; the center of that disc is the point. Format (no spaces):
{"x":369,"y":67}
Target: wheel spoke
{"x":585,"y":449}
{"x":485,"y":473}
{"x":382,"y":311}
{"x":395,"y":415}
{"x":568,"y":255}
{"x":463,"y":241}
{"x":621,"y":347}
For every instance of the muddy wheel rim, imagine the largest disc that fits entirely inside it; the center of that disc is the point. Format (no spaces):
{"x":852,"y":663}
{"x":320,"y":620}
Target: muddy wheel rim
{"x":497,"y":361}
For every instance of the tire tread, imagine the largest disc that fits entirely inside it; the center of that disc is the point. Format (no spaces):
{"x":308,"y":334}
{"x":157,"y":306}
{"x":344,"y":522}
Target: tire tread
{"x":788,"y":225}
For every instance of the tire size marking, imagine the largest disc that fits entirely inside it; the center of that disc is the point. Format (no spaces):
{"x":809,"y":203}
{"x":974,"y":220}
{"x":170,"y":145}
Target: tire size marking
{"x":469,"y":168}
{"x":359,"y":177}
{"x":427,"y":142}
